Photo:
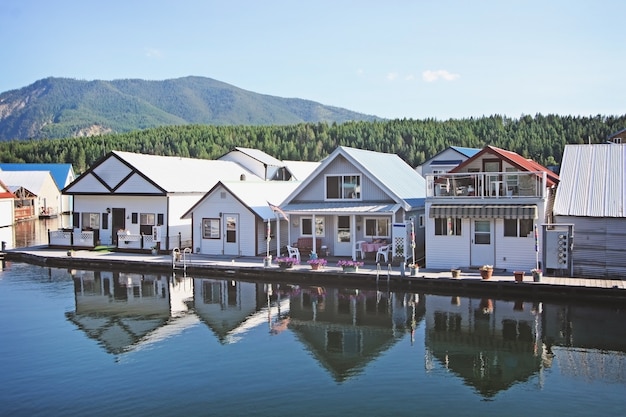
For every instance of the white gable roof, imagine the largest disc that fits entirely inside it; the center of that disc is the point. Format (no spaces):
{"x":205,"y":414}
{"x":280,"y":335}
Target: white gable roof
{"x":301,"y":169}
{"x":255,"y":195}
{"x":133,"y":173}
{"x":593,"y":181}
{"x":388,"y":171}
{"x":33,"y":181}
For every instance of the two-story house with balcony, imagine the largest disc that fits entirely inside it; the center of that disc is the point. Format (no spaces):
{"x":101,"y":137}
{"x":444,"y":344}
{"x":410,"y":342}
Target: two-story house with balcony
{"x":484,"y":211}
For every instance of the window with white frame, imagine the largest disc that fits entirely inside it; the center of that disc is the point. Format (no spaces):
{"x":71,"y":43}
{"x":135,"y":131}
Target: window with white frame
{"x":210,"y":228}
{"x":91,"y":220}
{"x":450,"y":226}
{"x":146,"y":221}
{"x":518,"y":227}
{"x":343,"y":187}
{"x":376,"y":227}
{"x":306,"y":226}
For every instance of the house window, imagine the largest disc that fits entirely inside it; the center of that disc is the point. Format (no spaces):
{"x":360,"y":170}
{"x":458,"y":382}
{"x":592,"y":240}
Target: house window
{"x":342,"y":187}
{"x":210,"y":228}
{"x":91,"y":220}
{"x":377,"y":227}
{"x":306,"y":226}
{"x":450,"y":226}
{"x":146,"y":221}
{"x":518,"y":227}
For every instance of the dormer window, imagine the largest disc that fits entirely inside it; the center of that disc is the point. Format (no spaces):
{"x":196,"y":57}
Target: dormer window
{"x":343,"y":187}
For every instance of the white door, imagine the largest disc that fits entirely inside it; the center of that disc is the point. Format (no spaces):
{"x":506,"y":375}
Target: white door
{"x":482,"y":247}
{"x":231,"y":233}
{"x":343,"y":233}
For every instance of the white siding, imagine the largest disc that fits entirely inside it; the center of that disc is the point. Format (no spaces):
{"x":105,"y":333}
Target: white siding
{"x":213,"y":206}
{"x":112,"y":171}
{"x":136,"y":184}
{"x":6,"y":212}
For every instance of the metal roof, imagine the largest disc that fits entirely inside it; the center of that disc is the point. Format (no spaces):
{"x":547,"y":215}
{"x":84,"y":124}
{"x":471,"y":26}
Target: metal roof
{"x":390,"y":171}
{"x":592,"y":181}
{"x":62,"y":174}
{"x":341,"y":208}
{"x":176,"y":174}
{"x":33,"y":181}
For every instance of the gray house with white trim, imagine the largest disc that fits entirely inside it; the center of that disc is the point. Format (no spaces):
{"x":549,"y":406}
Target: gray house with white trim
{"x":356,"y":195}
{"x":592,"y":198}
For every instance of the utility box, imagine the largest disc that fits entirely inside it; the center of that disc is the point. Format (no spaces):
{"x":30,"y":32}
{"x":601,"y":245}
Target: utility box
{"x":557,"y":247}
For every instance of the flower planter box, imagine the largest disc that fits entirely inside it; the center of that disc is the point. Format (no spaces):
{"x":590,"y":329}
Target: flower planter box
{"x":285,"y":265}
{"x":350,"y":268}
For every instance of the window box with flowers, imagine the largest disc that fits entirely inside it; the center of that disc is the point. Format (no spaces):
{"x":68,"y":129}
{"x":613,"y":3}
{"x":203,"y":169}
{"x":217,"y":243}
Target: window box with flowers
{"x":349,"y":265}
{"x":286,"y":262}
{"x":536,"y":274}
{"x":317,"y":263}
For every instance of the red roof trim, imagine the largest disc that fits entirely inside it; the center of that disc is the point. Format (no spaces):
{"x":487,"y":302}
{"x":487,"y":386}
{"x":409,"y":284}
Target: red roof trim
{"x":514,"y":159}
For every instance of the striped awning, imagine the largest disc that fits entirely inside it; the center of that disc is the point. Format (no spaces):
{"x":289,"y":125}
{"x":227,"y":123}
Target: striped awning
{"x":484,"y":211}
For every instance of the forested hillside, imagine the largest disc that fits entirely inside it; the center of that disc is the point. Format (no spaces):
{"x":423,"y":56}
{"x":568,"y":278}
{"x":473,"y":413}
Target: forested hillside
{"x":62,"y":107}
{"x":541,"y":138}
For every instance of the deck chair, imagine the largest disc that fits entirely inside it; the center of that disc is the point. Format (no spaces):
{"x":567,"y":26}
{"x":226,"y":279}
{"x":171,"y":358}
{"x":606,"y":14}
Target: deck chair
{"x":358,"y":250}
{"x":294,"y":252}
{"x":384,"y":252}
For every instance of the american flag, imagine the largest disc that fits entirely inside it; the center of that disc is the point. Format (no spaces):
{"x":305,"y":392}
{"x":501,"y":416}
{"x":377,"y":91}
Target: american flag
{"x":278,"y":210}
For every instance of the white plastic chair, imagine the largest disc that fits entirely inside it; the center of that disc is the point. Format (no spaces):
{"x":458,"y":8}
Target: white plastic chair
{"x":294,"y":252}
{"x":358,"y":249}
{"x":384,"y":251}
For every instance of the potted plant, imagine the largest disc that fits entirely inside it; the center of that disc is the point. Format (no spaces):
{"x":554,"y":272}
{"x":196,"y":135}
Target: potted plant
{"x":486,"y":271}
{"x":413,"y":269}
{"x":317,"y":263}
{"x":267,"y":261}
{"x":536,"y":274}
{"x":349,"y":265}
{"x":456,"y":272}
{"x":519,"y":276}
{"x":285,"y":262}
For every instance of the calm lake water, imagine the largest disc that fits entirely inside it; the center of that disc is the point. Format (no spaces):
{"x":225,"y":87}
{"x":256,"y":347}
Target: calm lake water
{"x":80,"y":342}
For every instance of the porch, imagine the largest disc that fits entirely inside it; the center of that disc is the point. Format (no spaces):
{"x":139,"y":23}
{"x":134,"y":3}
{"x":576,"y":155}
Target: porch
{"x":480,"y":185}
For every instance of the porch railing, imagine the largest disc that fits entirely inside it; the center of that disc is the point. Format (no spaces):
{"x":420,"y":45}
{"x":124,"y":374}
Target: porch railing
{"x":472,"y":185}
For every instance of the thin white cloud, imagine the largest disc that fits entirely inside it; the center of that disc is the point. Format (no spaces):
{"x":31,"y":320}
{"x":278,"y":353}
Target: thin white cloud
{"x":153,"y":53}
{"x":392,"y":76}
{"x":431,"y":76}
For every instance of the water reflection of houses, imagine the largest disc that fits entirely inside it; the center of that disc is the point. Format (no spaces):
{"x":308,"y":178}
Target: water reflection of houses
{"x":347,"y":329}
{"x":231,"y":308}
{"x":490,"y":344}
{"x":127,"y":311}
{"x":587,"y":342}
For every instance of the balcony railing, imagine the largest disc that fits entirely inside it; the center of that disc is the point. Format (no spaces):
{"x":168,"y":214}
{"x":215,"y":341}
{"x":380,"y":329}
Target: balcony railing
{"x":471,"y":185}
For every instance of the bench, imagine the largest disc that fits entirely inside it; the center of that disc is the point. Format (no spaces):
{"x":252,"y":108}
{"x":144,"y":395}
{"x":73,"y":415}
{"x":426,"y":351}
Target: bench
{"x":305,"y":245}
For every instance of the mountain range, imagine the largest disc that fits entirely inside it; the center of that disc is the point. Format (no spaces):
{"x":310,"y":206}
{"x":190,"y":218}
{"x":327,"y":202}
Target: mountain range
{"x":63,"y":107}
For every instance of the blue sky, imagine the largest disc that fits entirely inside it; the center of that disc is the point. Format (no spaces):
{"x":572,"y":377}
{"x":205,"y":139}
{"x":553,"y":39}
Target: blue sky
{"x":395,"y":59}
